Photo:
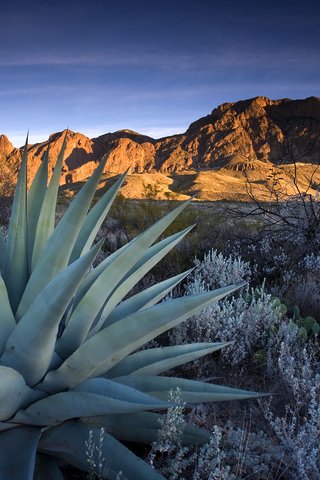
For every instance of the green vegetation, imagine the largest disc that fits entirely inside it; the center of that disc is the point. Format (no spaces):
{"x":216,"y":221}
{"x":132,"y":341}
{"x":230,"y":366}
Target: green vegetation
{"x":70,"y":337}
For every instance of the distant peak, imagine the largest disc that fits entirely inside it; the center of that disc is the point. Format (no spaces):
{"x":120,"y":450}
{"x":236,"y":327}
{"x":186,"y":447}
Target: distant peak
{"x":4,"y":138}
{"x":125,"y":133}
{"x":57,"y":135}
{"x":127,"y":130}
{"x":6,"y":146}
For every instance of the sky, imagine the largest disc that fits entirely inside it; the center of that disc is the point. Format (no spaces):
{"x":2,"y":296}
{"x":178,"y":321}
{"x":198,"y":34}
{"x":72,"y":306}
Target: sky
{"x":153,"y":66}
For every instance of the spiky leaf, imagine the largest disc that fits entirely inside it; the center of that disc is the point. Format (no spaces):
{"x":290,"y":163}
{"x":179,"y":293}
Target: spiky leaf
{"x":157,"y":360}
{"x":35,"y":203}
{"x":64,"y":406}
{"x":68,"y":442}
{"x":55,"y":257}
{"x":143,"y":427}
{"x":146,"y":298}
{"x":93,"y":302}
{"x":94,"y":220}
{"x":3,"y":247}
{"x":152,"y":256}
{"x":15,"y":271}
{"x":30,"y":347}
{"x":191,"y":391}
{"x":46,"y":218}
{"x":108,"y":347}
{"x":18,"y":453}
{"x":13,"y":392}
{"x":47,"y":468}
{"x":7,"y":320}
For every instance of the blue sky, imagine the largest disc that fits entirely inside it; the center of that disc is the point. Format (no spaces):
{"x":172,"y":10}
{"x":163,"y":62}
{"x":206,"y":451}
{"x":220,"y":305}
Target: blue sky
{"x":151,"y":66}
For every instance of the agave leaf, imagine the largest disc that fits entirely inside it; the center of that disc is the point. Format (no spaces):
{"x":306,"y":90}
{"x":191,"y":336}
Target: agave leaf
{"x":147,"y":298}
{"x":56,"y":254}
{"x":47,"y":468}
{"x":68,"y":442}
{"x":36,"y":202}
{"x":7,"y":320}
{"x":157,"y":229}
{"x":97,"y":396}
{"x":192,"y":391}
{"x":55,"y":361}
{"x":64,"y":406}
{"x":94,"y":220}
{"x":148,"y":261}
{"x":46,"y":219}
{"x":3,"y":247}
{"x":13,"y":392}
{"x":8,"y":426}
{"x":157,"y":360}
{"x":92,"y":276}
{"x":30,"y":347}
{"x":109,"y":388}
{"x":89,"y":307}
{"x":18,"y":453}
{"x":143,"y":427}
{"x":15,"y":272}
{"x":108,"y":347}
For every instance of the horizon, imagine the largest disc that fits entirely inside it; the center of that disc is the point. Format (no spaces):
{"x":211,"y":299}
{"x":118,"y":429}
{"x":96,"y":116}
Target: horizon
{"x":149,"y":67}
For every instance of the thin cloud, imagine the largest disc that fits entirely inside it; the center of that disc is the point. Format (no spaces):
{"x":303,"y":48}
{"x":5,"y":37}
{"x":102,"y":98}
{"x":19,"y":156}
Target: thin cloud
{"x":233,"y":55}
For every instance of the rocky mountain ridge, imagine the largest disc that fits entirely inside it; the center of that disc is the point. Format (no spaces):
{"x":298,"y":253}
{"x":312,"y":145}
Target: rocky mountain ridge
{"x":254,"y":135}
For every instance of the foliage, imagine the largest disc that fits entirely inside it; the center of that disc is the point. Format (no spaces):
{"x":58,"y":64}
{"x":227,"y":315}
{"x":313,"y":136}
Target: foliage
{"x":246,"y":320}
{"x":94,"y":456}
{"x":296,"y":367}
{"x":167,"y":452}
{"x":68,"y":333}
{"x":233,"y":452}
{"x":292,"y":211}
{"x":217,"y":270}
{"x":151,"y":190}
{"x":287,"y":350}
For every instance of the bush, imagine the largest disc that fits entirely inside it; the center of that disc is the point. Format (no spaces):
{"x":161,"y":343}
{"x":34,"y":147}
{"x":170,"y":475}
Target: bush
{"x":245,"y":320}
{"x":293,"y":364}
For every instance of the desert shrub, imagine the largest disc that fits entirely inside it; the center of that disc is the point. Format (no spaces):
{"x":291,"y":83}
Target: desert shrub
{"x":216,"y":270}
{"x":233,"y":452}
{"x":167,"y":452}
{"x":305,"y":287}
{"x":246,"y":319}
{"x":293,"y":364}
{"x":290,"y":273}
{"x":95,"y":459}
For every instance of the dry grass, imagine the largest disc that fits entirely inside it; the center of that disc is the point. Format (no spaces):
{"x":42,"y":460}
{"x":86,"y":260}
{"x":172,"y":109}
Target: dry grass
{"x":222,"y":184}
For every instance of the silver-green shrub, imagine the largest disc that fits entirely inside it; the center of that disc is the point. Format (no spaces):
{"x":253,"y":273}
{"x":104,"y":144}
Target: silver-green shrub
{"x":294,"y":364}
{"x":232,"y":453}
{"x":217,"y":270}
{"x":246,"y":320}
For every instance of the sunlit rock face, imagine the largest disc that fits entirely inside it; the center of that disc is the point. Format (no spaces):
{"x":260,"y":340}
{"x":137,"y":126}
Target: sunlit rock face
{"x":6,"y":146}
{"x":280,"y":131}
{"x":238,"y":137}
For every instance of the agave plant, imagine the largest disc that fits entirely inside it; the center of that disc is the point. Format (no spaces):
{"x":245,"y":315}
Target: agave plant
{"x":70,"y":336}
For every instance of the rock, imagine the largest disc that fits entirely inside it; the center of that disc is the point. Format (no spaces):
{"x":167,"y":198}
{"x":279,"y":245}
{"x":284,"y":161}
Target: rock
{"x":251,"y":135}
{"x":6,"y":146}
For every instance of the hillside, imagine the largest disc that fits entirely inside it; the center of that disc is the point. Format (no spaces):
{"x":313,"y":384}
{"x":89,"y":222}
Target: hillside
{"x":255,"y":139}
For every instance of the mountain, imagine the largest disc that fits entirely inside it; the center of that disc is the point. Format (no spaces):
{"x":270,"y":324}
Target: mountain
{"x":249,"y":138}
{"x":6,"y":146}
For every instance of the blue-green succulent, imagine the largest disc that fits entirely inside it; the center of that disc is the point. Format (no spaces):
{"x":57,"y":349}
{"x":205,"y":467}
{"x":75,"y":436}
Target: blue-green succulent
{"x":70,"y":335}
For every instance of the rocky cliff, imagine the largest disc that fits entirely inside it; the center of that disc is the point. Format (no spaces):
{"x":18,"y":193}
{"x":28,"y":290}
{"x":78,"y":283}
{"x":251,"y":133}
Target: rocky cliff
{"x":250,"y":135}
